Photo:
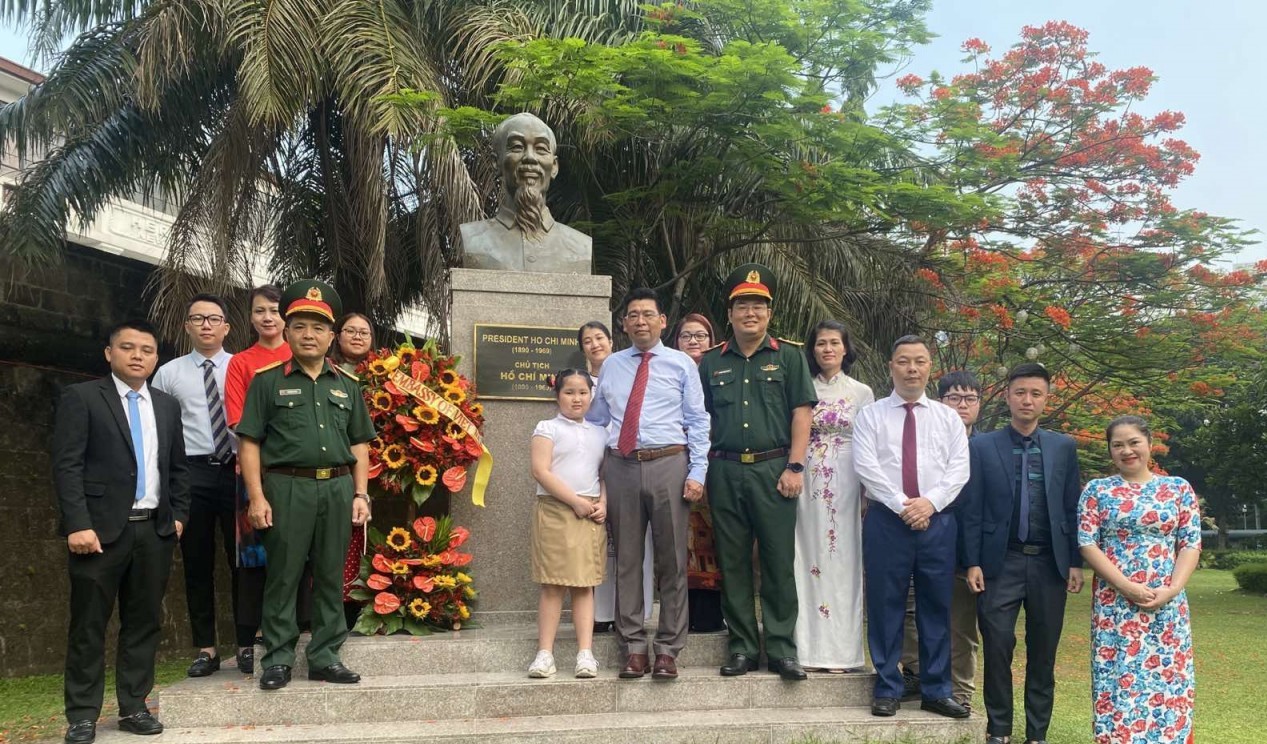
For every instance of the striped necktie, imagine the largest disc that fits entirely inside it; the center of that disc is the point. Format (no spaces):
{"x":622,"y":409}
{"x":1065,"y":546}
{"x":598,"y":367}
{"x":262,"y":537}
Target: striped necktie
{"x":215,"y":407}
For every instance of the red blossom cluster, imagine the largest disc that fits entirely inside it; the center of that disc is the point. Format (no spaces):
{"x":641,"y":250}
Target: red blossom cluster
{"x":415,"y":580}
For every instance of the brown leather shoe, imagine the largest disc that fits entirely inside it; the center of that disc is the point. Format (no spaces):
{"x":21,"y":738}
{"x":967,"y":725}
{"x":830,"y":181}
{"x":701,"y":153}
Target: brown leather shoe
{"x":665,"y":667}
{"x":635,"y":667}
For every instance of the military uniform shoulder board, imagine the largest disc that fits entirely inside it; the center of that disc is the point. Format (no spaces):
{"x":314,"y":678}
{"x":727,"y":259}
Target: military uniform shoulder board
{"x":346,"y":373}
{"x":794,"y":343}
{"x":270,"y":365}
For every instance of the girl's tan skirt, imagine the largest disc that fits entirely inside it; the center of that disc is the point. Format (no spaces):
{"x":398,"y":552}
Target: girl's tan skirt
{"x":566,"y":550}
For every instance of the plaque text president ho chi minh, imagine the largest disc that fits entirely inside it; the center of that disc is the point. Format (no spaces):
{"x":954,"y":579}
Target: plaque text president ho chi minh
{"x":524,"y":236}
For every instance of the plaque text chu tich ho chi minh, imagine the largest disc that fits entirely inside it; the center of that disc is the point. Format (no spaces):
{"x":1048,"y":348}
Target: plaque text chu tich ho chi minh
{"x":514,"y":362}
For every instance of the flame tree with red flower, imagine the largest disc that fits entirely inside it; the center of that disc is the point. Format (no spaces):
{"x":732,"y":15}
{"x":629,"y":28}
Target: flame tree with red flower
{"x":418,"y":445}
{"x":415,"y":580}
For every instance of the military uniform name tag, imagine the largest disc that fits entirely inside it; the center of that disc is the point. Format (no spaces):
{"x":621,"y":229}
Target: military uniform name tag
{"x":293,"y":391}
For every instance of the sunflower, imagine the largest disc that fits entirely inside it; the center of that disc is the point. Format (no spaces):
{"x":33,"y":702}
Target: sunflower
{"x":398,"y":539}
{"x":381,"y":401}
{"x":449,"y":378}
{"x":425,"y":475}
{"x":455,"y":431}
{"x":446,"y":582}
{"x":468,"y":592}
{"x":426,"y":415}
{"x":400,"y":568}
{"x":393,"y":456}
{"x":453,"y":394}
{"x":464,"y":611}
{"x":431,"y":561}
{"x":379,"y":368}
{"x":407,"y":354}
{"x":476,"y":409}
{"x":377,"y":444}
{"x":419,"y":608}
{"x":463,"y":578}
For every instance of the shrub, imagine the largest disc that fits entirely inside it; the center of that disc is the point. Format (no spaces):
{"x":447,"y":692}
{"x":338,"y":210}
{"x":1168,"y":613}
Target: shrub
{"x":1233,"y":559}
{"x":1252,"y":577}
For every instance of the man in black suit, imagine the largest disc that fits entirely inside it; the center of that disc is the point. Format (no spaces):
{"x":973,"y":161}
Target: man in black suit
{"x":1019,"y":517}
{"x":123,"y":490}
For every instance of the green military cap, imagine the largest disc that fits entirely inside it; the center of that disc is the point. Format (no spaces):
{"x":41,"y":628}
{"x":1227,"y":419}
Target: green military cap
{"x":751,"y":280}
{"x":314,"y":297}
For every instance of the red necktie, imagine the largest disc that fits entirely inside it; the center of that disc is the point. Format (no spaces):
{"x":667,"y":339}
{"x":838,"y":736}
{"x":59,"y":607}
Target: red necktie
{"x":910,"y":455}
{"x":628,"y":441}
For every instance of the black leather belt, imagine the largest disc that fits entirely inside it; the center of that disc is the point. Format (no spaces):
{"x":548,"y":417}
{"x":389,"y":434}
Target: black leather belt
{"x":748,"y":457}
{"x":141,"y":515}
{"x":211,"y":460}
{"x":1028,"y":549}
{"x":646,"y":455}
{"x":314,"y":473}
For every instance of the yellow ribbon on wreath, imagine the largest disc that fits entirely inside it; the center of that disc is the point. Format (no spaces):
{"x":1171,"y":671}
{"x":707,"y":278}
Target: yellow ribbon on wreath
{"x":451,"y":412}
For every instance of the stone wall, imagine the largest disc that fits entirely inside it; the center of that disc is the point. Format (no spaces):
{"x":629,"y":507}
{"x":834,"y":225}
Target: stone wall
{"x":52,"y":326}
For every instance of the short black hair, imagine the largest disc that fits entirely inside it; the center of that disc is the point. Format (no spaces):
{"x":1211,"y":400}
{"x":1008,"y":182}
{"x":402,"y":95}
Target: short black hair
{"x":909,"y":340}
{"x":270,"y":292}
{"x":208,"y":297}
{"x":559,"y":378}
{"x":960,"y":378}
{"x":830,"y":325}
{"x":640,"y":293}
{"x":1128,"y":420}
{"x":596,"y":325}
{"x":1028,"y":369}
{"x":134,"y":324}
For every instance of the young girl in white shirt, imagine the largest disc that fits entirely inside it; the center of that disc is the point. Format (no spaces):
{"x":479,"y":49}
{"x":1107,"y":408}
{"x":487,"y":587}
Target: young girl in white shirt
{"x":569,"y":541}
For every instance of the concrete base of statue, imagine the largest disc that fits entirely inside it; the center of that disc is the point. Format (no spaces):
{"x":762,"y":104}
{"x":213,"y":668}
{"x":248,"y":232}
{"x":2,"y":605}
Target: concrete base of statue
{"x":500,"y":530}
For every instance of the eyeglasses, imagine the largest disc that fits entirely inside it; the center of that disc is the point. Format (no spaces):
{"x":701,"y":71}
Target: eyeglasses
{"x":701,"y":336}
{"x":211,"y":320}
{"x":644,"y":315}
{"x":954,"y":400}
{"x":357,"y":332}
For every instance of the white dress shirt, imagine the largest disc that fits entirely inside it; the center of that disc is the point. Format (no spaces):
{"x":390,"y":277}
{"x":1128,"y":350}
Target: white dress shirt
{"x":149,"y":439}
{"x":940,"y":441}
{"x":182,"y":379}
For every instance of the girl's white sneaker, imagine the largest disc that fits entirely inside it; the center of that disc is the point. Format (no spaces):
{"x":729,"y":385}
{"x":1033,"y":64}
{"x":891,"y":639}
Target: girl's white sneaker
{"x":542,"y":666}
{"x":586,"y":665}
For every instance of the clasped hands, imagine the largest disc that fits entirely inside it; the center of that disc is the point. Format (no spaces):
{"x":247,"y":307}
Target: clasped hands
{"x":1146,"y":597}
{"x":917,"y":512}
{"x":586,"y":508}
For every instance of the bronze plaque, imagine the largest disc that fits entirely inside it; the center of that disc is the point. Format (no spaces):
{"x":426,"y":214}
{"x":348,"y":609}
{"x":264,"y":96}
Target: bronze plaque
{"x":513,"y":362}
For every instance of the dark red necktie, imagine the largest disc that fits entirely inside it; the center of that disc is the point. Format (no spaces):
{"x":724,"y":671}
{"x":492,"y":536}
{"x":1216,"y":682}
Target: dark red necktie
{"x":628,"y":441}
{"x":910,"y":455}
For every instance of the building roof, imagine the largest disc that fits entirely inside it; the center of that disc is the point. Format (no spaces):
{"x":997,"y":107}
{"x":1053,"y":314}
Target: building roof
{"x":25,"y":74}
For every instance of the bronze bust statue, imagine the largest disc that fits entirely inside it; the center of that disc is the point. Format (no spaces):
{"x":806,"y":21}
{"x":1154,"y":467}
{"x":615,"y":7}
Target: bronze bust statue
{"x":523,"y":236}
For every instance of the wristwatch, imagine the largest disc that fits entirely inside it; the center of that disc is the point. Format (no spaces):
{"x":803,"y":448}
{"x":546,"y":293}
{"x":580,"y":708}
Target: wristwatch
{"x":365,"y":496}
{"x":796,"y":467}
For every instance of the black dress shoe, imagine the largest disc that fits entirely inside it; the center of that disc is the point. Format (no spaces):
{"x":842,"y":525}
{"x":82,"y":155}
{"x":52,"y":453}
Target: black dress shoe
{"x":738,"y":665}
{"x":998,"y":740}
{"x":141,"y":723}
{"x":948,"y":707}
{"x":788,"y":668}
{"x":275,"y":677}
{"x":204,"y":666}
{"x":885,"y":706}
{"x":246,"y":660}
{"x":910,"y":685}
{"x":603,"y":627}
{"x":336,"y":673}
{"x":81,"y":732}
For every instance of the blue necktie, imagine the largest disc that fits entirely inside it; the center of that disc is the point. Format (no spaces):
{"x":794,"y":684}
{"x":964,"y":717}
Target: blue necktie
{"x":1022,"y":529}
{"x":138,"y":441}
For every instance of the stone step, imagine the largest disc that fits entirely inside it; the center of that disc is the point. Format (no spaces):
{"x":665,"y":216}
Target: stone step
{"x":219,"y":701}
{"x":836,"y":725}
{"x":495,"y":649}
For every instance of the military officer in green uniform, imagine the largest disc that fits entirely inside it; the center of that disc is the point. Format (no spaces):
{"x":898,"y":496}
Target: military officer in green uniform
{"x":305,"y":461}
{"x":759,"y":395}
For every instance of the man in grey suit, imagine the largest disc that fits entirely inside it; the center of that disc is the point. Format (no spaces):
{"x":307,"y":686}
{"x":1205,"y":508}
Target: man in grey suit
{"x":123,"y":491}
{"x":1018,"y":513}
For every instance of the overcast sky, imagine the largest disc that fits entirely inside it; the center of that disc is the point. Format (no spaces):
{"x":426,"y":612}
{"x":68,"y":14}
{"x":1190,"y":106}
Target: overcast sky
{"x":1209,"y":58}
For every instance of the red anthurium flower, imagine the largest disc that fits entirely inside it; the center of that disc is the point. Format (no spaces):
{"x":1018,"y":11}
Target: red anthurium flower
{"x":420,"y":371}
{"x":380,"y":563}
{"x":421,"y":445}
{"x":447,"y":557}
{"x":378,"y":582}
{"x":473,"y":447}
{"x":458,"y":536}
{"x":376,"y":470}
{"x":407,"y":423}
{"x":425,"y":528}
{"x":385,"y":603}
{"x":462,"y":559}
{"x":424,"y":584}
{"x":390,"y":387}
{"x":454,"y":478}
{"x":411,"y":561}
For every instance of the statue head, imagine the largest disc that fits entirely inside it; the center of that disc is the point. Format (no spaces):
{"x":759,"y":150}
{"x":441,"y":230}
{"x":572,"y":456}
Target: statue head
{"x":526,"y":151}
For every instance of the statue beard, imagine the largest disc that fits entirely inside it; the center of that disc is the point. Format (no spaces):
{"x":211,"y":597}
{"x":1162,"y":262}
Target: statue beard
{"x":530,"y":205}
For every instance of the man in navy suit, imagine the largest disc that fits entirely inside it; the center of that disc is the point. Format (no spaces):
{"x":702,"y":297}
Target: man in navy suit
{"x":1018,"y":517}
{"x":123,"y":491}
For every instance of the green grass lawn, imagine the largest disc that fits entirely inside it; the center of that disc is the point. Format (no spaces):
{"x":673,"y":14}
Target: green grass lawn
{"x":1229,"y":629}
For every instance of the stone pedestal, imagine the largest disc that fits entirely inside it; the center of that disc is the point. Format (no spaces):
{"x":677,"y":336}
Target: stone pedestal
{"x":500,"y":530}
